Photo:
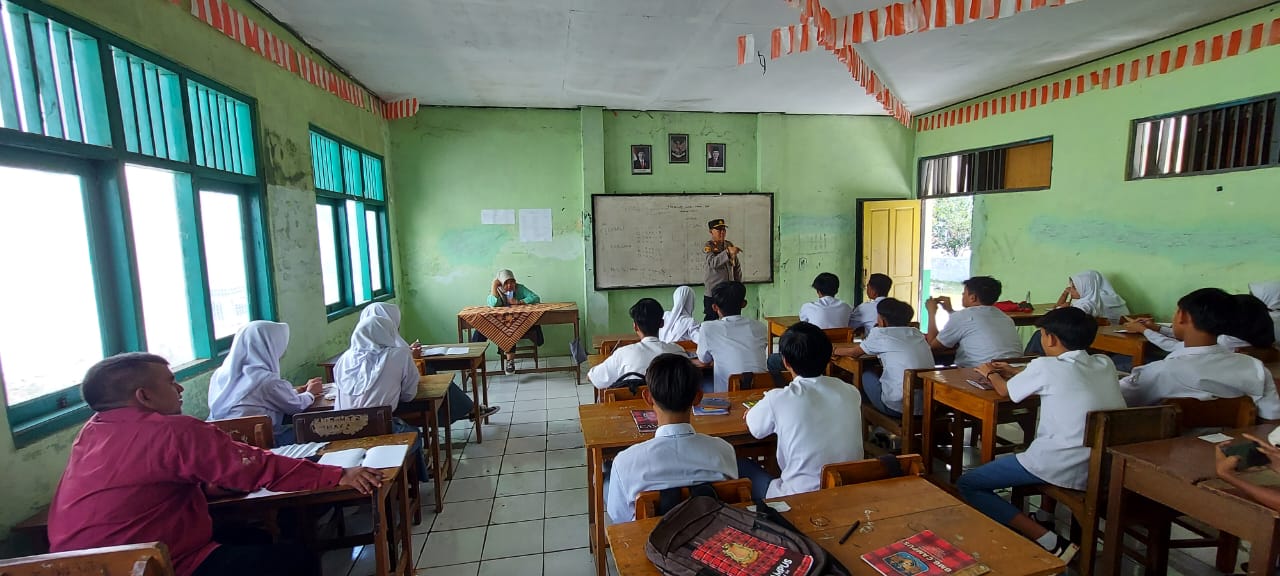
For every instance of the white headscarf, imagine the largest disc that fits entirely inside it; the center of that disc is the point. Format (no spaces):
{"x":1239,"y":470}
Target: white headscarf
{"x":372,"y":343}
{"x":388,"y":311}
{"x":678,"y":324}
{"x":254,"y":359}
{"x":1269,"y":294}
{"x":1097,"y":297}
{"x":504,"y":275}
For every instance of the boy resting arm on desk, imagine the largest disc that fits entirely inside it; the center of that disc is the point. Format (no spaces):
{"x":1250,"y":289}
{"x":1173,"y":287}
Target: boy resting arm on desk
{"x":1070,"y":383}
{"x":980,"y":332}
{"x":139,"y":468}
{"x":899,"y":348}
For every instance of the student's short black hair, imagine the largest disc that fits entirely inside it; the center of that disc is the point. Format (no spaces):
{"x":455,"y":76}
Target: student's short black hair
{"x":827,"y":284}
{"x":1073,"y":326}
{"x":806,"y":348}
{"x":111,"y":381}
{"x":647,"y":314}
{"x":729,"y":296}
{"x":1254,"y":324}
{"x":880,"y":283}
{"x":985,"y":288}
{"x":1212,"y":310}
{"x":895,"y":312}
{"x":673,"y":382}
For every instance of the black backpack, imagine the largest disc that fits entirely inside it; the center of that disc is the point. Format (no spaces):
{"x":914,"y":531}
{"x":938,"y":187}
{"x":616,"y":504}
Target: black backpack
{"x":631,"y":381}
{"x":703,"y":532}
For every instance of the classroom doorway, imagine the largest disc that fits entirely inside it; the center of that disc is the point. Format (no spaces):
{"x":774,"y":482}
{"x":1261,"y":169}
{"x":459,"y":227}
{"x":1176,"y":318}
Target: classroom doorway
{"x":891,"y":245}
{"x":947,"y":232}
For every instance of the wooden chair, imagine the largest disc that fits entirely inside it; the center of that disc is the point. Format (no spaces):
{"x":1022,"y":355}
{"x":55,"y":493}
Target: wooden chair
{"x":151,"y":559}
{"x":1266,"y":355}
{"x":252,"y":430}
{"x":1103,"y":430}
{"x":1227,"y":413}
{"x":908,"y":427}
{"x":620,"y":394}
{"x":839,"y":335}
{"x":528,"y":350}
{"x":754,"y":380}
{"x":688,"y":345}
{"x":729,"y":491}
{"x":342,"y":424}
{"x":857,"y":472}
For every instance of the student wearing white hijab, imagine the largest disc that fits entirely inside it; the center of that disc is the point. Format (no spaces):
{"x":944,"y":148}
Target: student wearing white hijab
{"x":249,"y":384}
{"x":390,"y":312}
{"x":1089,"y":291}
{"x":1269,"y":294}
{"x":679,"y":324}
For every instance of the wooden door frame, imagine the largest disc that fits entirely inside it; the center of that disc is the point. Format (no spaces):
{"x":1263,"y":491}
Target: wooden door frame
{"x":859,"y":293}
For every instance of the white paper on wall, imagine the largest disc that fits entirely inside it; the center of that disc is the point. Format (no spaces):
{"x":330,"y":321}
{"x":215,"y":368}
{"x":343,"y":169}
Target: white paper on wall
{"x":535,"y":225}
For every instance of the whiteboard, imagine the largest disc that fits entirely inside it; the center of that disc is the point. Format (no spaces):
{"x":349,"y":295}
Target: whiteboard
{"x":653,"y":240}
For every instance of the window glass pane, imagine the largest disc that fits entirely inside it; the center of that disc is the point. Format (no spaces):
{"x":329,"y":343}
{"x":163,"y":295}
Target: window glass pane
{"x":224,"y":257}
{"x":32,"y":367}
{"x":357,"y":255}
{"x":157,"y":241}
{"x":375,"y":249}
{"x":328,"y":255}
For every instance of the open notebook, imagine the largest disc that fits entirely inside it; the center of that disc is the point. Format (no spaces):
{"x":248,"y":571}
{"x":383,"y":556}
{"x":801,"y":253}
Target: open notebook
{"x":376,"y":457}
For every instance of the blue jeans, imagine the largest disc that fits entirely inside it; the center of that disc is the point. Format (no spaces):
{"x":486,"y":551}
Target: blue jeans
{"x":759,"y":477}
{"x":871,"y":392}
{"x":284,"y":435}
{"x":420,"y":459}
{"x":460,"y":406}
{"x":978,"y":487}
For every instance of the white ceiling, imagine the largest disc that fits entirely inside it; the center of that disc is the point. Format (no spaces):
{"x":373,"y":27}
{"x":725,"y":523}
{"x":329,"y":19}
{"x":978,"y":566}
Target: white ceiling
{"x":682,"y":54}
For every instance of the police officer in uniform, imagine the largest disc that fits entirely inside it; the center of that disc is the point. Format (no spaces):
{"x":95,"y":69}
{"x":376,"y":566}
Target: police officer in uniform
{"x":722,"y":264}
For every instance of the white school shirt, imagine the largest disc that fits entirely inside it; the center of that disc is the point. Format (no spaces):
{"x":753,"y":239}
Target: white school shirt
{"x":675,"y":457}
{"x":1069,"y":387}
{"x":1164,"y":340}
{"x":1204,"y":372}
{"x":826,"y":312}
{"x":981,"y":334}
{"x":735,"y":344}
{"x":818,"y":422}
{"x":865,"y":315}
{"x":398,"y":382}
{"x":630,"y":358}
{"x":899,"y":348}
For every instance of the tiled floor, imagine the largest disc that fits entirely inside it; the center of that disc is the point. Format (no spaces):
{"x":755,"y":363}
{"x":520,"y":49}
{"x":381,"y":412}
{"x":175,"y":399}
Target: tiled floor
{"x":517,"y":504}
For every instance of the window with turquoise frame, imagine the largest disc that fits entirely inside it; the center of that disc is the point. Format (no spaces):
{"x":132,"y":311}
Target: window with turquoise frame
{"x":150,"y":234}
{"x":351,"y":218}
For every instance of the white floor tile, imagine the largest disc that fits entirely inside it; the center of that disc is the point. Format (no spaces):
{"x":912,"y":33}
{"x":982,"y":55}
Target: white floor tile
{"x":463,"y":489}
{"x":576,"y":562}
{"x":428,"y":513}
{"x":529,"y":416}
{"x":528,"y":404}
{"x":564,"y":426}
{"x":562,"y":392}
{"x":502,"y":417}
{"x":524,"y":507}
{"x":566,"y":458}
{"x":481,"y":466}
{"x":518,"y":539}
{"x":523,"y":483}
{"x":564,"y":533}
{"x":564,"y":441}
{"x":463,"y":515}
{"x":529,"y":444}
{"x":524,"y":462}
{"x":452,"y":547}
{"x":566,"y":503}
{"x":566,"y":402}
{"x":522,"y":395}
{"x":339,"y":561}
{"x":566,"y":478}
{"x":456,"y":570}
{"x":490,"y":448}
{"x":562,"y":413}
{"x":527,"y":429}
{"x":521,"y":566}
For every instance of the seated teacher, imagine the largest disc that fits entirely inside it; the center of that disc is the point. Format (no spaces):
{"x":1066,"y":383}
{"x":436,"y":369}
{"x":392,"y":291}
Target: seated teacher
{"x":507,"y":292}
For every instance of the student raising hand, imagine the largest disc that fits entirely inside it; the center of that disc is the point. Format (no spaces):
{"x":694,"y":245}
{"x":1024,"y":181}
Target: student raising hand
{"x":364,"y":480}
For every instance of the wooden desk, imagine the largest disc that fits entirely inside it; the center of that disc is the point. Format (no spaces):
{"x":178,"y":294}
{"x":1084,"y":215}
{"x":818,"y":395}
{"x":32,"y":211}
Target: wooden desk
{"x":895,"y":509}
{"x":949,"y":388}
{"x":328,"y":365}
{"x":600,"y":340}
{"x":1179,"y":473}
{"x":1030,"y":318}
{"x":1110,"y":339}
{"x":433,"y":393}
{"x":471,"y":363}
{"x":777,"y":326}
{"x":608,"y":429}
{"x":854,"y":365}
{"x":566,"y":315}
{"x":394,"y":555}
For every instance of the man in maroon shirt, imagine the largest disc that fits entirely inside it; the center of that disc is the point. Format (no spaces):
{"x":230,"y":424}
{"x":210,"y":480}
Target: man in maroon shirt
{"x":139,"y":469}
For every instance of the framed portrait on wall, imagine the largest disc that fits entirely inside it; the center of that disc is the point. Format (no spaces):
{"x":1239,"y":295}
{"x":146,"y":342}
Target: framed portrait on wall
{"x":641,"y":159}
{"x":678,"y":148}
{"x":715,"y":157}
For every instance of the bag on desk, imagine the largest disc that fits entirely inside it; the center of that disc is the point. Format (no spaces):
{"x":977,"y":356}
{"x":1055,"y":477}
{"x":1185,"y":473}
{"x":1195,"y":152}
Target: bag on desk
{"x":703,"y":535}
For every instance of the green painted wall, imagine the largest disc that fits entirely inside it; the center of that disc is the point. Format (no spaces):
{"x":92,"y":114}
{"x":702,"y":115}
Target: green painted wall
{"x":286,"y":107}
{"x":453,"y":162}
{"x":1155,"y":239}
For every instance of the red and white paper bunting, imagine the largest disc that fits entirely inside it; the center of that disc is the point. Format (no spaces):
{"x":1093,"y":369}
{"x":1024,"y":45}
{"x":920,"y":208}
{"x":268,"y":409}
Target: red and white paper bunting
{"x":746,"y":48}
{"x":238,"y":26}
{"x":1230,"y":44}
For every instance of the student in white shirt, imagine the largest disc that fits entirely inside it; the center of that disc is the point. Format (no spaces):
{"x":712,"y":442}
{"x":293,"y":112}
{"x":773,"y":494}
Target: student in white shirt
{"x":899,"y":348}
{"x":980,"y":332}
{"x":1269,"y":294}
{"x":736,"y":344}
{"x":818,"y":419}
{"x":646,"y":319}
{"x":1202,"y":369}
{"x":249,"y":383}
{"x":1252,"y":327}
{"x":864,"y":316}
{"x":677,"y":456}
{"x":1070,"y":383}
{"x":826,"y":312}
{"x":679,"y":325}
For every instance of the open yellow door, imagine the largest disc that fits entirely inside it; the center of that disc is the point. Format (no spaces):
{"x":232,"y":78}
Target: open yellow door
{"x":891,"y":245}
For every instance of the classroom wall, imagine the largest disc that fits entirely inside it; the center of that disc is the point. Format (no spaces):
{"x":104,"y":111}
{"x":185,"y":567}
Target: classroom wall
{"x":286,"y":106}
{"x":817,"y":167}
{"x":1154,"y":239}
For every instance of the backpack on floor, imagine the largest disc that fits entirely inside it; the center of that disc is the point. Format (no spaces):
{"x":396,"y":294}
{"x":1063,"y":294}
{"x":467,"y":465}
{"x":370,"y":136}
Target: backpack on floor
{"x":703,"y":536}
